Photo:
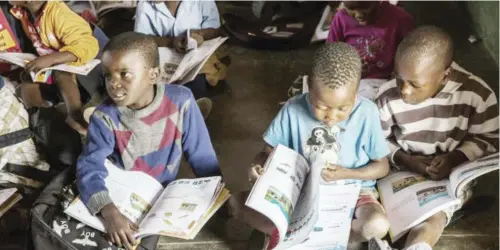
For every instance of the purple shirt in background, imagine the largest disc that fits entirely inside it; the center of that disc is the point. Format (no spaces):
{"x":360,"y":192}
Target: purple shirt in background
{"x":376,"y":42}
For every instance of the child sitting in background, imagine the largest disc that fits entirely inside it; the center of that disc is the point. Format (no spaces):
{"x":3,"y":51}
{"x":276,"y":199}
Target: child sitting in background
{"x":333,"y":106}
{"x":59,"y":36}
{"x":435,"y":116}
{"x":168,"y":22}
{"x":145,"y":125}
{"x":375,"y":29}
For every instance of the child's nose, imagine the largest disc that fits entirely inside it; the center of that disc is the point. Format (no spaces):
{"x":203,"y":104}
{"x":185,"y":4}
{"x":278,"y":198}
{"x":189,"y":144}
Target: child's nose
{"x":406,"y":89}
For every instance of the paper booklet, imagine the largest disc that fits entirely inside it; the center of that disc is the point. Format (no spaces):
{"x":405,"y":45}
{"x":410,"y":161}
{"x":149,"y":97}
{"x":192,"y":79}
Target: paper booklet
{"x":179,"y":210}
{"x":183,"y":67}
{"x":21,"y":59}
{"x":8,"y":198}
{"x":410,"y":198}
{"x":307,"y":214}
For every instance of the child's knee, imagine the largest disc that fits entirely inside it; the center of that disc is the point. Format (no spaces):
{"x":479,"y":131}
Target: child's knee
{"x":376,"y":226}
{"x":62,"y":76}
{"x":373,"y":222}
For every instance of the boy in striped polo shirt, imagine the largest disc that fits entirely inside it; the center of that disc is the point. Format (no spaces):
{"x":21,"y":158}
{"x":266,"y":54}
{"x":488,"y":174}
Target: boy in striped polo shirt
{"x":435,"y":116}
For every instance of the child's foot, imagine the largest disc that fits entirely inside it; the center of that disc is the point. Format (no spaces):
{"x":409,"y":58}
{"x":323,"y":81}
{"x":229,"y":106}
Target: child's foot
{"x":205,"y":106}
{"x":378,"y":244}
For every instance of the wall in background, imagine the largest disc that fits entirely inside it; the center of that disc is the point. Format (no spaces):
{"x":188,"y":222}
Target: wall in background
{"x":484,"y":16}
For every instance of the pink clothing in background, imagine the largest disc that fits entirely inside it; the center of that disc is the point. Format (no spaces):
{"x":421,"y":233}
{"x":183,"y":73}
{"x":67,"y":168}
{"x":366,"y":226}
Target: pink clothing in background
{"x":376,"y":42}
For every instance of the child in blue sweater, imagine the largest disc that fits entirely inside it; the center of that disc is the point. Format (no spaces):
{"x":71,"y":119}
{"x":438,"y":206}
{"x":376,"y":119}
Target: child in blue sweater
{"x":144,"y":126}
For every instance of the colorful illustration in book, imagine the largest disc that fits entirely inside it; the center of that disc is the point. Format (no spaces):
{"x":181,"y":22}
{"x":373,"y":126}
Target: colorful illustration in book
{"x":429,"y":194}
{"x":274,"y":196}
{"x":406,"y":182}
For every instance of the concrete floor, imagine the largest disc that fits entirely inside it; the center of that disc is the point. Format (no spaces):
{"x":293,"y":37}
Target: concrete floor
{"x":259,"y":80}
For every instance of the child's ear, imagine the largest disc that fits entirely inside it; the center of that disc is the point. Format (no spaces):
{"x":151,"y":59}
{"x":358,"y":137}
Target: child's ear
{"x":447,"y":73}
{"x":154,"y":75}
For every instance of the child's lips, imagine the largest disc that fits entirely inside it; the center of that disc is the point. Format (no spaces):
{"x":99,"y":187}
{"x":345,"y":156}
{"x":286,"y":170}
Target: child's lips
{"x":119,"y":95}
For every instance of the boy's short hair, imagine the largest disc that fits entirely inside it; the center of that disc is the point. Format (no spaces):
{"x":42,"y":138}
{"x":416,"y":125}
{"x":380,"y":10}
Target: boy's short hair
{"x":336,"y":65}
{"x":144,"y":44}
{"x":426,"y":41}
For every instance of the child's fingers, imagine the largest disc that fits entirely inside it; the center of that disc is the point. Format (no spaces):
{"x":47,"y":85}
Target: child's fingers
{"x":118,"y":240}
{"x":130,"y":239}
{"x":260,"y":170}
{"x":124,"y":238}
{"x":253,"y":175}
{"x":111,"y":238}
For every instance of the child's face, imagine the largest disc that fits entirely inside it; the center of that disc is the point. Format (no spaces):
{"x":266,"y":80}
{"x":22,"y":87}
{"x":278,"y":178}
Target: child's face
{"x":419,"y":80}
{"x":332,"y":106}
{"x":363,"y":15}
{"x":129,"y":81}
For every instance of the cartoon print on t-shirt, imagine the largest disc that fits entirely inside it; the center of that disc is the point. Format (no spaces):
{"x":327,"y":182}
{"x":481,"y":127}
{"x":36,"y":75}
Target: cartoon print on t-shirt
{"x":323,"y":144}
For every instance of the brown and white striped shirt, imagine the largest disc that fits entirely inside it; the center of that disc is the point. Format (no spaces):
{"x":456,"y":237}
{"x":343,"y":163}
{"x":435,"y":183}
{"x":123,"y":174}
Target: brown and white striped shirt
{"x":462,"y":116}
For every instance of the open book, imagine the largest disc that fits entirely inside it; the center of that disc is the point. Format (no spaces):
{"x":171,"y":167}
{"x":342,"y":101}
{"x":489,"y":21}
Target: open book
{"x":307,"y":214}
{"x":21,"y":59}
{"x":410,"y":198}
{"x":8,"y":198}
{"x":179,"y":210}
{"x":183,"y":67}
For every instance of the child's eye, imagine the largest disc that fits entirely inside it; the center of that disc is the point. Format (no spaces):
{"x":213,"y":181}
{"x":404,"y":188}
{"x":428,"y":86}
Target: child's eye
{"x":125,"y":74}
{"x":344,"y":108}
{"x":321,"y":108}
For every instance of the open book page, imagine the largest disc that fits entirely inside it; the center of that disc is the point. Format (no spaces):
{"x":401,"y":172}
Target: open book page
{"x":190,"y":42}
{"x":221,"y":199}
{"x":8,"y":198}
{"x":79,"y":70}
{"x":132,"y":192}
{"x":194,"y":60}
{"x":183,"y":203}
{"x":276,"y":192}
{"x":305,"y":84}
{"x":169,"y":62}
{"x":21,"y":59}
{"x":462,"y":175}
{"x":181,"y":67}
{"x":305,"y":213}
{"x":336,"y":209}
{"x":410,"y":198}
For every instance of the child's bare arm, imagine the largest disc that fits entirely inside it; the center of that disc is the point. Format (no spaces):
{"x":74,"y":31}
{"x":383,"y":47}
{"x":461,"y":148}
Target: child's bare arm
{"x":49,"y":60}
{"x":374,"y":170}
{"x":208,"y":34}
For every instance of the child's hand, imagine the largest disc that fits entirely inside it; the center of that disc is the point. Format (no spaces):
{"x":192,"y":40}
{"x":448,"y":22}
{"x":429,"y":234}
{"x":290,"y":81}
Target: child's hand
{"x":440,"y":168}
{"x":39,"y":63}
{"x":255,"y":172}
{"x":179,"y":44}
{"x":199,"y":38}
{"x":334,"y":173}
{"x":119,"y":228}
{"x":415,"y":163}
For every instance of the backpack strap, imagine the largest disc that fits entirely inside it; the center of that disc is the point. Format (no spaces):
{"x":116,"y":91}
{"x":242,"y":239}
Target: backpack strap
{"x":15,"y":137}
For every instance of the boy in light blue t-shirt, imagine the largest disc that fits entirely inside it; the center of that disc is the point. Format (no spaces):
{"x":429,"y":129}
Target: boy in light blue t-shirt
{"x":334,"y":125}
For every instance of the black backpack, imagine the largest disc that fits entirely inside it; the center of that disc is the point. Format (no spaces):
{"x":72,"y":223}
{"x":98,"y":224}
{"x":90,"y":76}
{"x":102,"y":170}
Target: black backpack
{"x":52,"y":229}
